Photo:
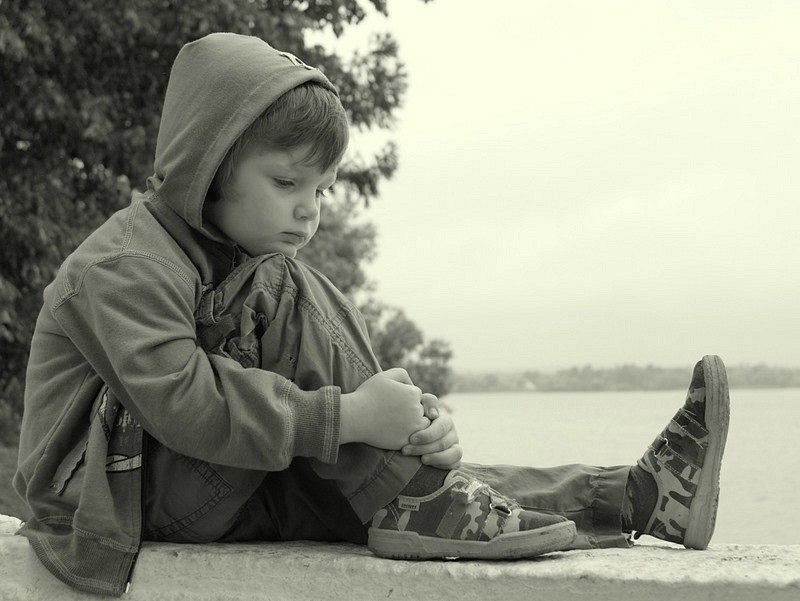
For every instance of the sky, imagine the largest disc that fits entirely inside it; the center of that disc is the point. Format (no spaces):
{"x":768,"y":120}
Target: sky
{"x":594,"y":182}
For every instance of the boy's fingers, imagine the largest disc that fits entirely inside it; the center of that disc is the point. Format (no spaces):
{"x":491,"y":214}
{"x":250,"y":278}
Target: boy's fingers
{"x":424,"y":423}
{"x":448,"y":459}
{"x":398,"y":374}
{"x":431,"y":404}
{"x":447,"y":441}
{"x":437,"y":430}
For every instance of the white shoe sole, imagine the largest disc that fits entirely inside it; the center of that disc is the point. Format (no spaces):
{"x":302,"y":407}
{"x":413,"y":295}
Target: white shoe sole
{"x":513,"y":545}
{"x":703,"y":511}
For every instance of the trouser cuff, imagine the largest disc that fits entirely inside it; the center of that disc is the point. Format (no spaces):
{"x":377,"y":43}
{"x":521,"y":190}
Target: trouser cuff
{"x":607,"y":502}
{"x":382,"y":488}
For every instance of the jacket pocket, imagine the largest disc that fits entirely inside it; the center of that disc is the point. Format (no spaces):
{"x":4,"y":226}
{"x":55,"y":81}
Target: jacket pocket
{"x":69,"y":465}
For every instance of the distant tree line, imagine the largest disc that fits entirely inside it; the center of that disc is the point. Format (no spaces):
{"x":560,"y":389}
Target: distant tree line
{"x":623,"y":377}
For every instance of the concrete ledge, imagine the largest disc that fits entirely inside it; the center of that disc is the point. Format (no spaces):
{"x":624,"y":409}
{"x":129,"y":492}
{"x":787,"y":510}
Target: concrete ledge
{"x":301,"y":570}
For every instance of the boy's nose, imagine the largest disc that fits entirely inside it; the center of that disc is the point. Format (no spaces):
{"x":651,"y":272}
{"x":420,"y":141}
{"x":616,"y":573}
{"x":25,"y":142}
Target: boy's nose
{"x":307,"y":210}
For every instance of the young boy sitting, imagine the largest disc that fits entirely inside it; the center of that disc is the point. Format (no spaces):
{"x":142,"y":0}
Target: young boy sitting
{"x":190,"y":381}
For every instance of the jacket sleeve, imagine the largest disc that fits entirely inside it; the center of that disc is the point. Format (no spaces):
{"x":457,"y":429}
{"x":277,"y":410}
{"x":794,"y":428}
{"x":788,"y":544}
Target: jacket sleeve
{"x":133,"y":319}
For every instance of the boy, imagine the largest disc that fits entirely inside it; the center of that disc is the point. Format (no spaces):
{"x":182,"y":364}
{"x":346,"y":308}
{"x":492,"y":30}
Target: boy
{"x":190,"y":381}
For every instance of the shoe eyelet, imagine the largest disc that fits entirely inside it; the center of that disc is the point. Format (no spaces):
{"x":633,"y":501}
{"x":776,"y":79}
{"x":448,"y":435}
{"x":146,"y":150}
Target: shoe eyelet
{"x":502,"y":509}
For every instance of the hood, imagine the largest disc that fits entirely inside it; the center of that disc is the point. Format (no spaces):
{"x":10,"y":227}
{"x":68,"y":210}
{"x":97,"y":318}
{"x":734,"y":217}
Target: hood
{"x":218,"y":86}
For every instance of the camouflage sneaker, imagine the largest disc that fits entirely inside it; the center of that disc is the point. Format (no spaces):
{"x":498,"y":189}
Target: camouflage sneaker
{"x":465,"y":518}
{"x":685,"y":460}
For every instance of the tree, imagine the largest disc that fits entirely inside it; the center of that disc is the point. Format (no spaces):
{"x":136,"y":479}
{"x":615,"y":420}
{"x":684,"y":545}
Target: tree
{"x":430,"y":369}
{"x":398,"y":342}
{"x":81,"y":87}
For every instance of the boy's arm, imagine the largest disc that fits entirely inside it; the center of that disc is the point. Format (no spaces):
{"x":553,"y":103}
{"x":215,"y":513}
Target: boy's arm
{"x":132,"y":318}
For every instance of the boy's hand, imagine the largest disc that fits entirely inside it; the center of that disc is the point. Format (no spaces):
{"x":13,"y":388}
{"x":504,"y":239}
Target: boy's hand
{"x":437,"y":445}
{"x":383,"y":412}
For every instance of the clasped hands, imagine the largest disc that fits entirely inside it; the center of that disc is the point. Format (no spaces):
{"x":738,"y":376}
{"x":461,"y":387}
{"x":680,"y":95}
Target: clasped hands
{"x":387,"y":411}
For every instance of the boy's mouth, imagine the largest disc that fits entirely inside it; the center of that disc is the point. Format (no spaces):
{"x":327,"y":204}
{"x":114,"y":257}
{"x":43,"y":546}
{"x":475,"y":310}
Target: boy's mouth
{"x":296,"y":237}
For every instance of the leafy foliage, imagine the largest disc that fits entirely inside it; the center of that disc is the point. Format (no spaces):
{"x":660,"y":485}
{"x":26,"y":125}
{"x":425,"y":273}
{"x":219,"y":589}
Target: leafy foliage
{"x":81,"y":88}
{"x":398,"y":342}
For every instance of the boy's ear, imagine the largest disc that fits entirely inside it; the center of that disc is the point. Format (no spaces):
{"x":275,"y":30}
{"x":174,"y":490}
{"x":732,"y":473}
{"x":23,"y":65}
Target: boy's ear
{"x":214,"y":192}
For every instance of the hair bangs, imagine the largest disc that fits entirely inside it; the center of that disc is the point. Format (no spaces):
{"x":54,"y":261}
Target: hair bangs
{"x":308,"y":115}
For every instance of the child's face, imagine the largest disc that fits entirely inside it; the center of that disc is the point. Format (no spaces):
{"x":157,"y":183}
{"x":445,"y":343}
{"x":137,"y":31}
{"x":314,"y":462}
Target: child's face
{"x":272,"y":203}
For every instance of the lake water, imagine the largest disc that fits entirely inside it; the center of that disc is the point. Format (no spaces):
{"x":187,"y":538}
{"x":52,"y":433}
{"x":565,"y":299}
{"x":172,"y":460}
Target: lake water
{"x":760,"y":478}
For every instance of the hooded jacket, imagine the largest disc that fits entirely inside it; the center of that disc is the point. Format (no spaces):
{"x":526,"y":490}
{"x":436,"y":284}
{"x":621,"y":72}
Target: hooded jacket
{"x":115,"y":348}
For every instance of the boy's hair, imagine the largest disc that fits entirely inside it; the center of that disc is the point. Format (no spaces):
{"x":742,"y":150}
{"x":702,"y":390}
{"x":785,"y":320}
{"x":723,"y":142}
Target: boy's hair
{"x":309,"y":114}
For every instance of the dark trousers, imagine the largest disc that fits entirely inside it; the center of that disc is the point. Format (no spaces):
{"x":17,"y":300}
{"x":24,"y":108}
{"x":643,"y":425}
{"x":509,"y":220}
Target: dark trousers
{"x":277,"y":314}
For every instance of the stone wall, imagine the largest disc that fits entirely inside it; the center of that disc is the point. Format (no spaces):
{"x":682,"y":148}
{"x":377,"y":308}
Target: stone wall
{"x":310,"y":571}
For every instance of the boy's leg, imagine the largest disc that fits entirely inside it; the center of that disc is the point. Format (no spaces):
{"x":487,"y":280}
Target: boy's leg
{"x":296,"y":504}
{"x":592,"y":497}
{"x":270,"y":313}
{"x":191,"y":501}
{"x":297,"y":324}
{"x":671,"y":493}
{"x":186,"y":500}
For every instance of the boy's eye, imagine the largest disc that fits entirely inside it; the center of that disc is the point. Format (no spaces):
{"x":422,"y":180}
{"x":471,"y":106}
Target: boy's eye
{"x":321,"y":194}
{"x":283,"y":183}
